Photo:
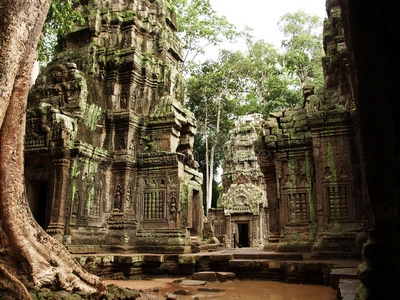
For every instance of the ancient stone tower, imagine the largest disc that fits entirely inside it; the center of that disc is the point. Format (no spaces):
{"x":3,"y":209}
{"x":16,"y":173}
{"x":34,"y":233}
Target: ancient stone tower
{"x":109,"y":142}
{"x":242,"y":214}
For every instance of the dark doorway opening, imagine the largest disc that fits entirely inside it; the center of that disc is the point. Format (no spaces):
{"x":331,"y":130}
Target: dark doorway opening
{"x":243,"y":229}
{"x":37,"y":193}
{"x":196,"y":218}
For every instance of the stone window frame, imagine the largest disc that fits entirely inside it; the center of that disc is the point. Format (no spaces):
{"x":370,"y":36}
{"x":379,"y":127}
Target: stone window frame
{"x":350,"y":204}
{"x":160,"y":215}
{"x":286,"y":192}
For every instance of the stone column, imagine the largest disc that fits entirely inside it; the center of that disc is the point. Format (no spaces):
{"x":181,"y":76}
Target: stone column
{"x":60,"y":199}
{"x":273,"y":206}
{"x":228,"y":231}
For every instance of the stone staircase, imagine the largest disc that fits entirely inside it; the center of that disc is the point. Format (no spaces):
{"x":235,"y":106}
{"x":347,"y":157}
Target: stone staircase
{"x":335,"y":269}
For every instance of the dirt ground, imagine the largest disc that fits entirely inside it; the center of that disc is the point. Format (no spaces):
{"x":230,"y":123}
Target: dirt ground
{"x":238,"y":289}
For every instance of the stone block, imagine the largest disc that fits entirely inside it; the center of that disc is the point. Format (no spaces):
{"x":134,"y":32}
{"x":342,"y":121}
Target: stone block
{"x":225,"y":276}
{"x":347,"y":288}
{"x":187,"y":260}
{"x":249,"y":264}
{"x":107,"y":260}
{"x":130,"y":260}
{"x":287,"y":125}
{"x":206,"y":276}
{"x":286,"y":119}
{"x":297,"y":136}
{"x":193,"y":282}
{"x":220,"y":257}
{"x":153,"y":259}
{"x":182,"y":292}
{"x":342,"y":273}
{"x":276,"y":131}
{"x":301,"y":123}
{"x":276,"y":114}
{"x":275,"y":265}
{"x":271,"y":122}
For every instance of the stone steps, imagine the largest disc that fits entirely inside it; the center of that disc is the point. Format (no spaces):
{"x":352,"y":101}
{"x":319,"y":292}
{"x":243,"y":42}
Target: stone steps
{"x":287,"y":267}
{"x":335,"y":255}
{"x":270,"y":255}
{"x":338,"y":274}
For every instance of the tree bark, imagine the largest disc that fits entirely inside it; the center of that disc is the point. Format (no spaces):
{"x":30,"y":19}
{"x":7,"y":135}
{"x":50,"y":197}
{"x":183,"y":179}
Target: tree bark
{"x":27,"y":253}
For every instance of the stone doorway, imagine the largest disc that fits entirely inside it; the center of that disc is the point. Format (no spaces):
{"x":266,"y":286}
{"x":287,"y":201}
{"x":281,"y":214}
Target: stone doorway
{"x":37,"y":194}
{"x":243,"y":238}
{"x":195,"y":230}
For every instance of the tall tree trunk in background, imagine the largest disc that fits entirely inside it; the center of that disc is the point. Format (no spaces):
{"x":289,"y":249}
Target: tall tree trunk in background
{"x":212,"y":154}
{"x":27,"y":253}
{"x":208,"y":201}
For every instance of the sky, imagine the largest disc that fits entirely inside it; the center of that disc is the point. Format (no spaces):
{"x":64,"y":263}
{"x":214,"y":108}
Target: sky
{"x":263,"y":17}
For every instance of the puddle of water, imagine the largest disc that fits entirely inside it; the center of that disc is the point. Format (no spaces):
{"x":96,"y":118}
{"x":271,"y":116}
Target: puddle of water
{"x":238,"y":289}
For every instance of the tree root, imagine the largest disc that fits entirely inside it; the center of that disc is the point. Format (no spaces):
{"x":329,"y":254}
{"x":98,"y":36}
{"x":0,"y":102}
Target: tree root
{"x":11,"y":287}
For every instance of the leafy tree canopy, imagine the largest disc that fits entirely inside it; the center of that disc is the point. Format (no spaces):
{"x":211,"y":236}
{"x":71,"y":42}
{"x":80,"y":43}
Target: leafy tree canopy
{"x":303,"y":46}
{"x":199,"y":27}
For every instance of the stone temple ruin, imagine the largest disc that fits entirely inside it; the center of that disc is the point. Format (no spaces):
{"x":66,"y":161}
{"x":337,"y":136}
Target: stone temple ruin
{"x":109,"y":160}
{"x":304,"y":161}
{"x":109,"y":148}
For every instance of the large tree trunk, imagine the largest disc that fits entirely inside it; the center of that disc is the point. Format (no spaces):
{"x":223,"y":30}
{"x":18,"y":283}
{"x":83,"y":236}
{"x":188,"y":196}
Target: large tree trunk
{"x":27,"y":253}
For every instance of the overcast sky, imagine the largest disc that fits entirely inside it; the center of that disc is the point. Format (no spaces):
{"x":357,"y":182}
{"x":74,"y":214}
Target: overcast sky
{"x":263,"y":16}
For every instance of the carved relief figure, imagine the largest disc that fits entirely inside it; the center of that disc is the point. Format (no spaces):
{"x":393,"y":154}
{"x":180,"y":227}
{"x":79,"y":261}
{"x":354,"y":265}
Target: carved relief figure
{"x":124,"y":99}
{"x":118,"y":197}
{"x":129,"y":198}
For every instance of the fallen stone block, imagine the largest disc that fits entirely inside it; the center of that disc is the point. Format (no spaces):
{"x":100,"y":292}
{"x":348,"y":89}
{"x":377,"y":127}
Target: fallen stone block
{"x":182,"y":292}
{"x":206,"y":276}
{"x":225,"y":276}
{"x":193,"y":282}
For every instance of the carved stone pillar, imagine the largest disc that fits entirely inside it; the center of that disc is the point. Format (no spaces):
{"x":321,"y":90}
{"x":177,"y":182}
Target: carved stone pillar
{"x":273,"y":204}
{"x":60,"y":199}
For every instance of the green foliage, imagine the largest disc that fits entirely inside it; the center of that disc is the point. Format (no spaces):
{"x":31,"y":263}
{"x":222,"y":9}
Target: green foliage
{"x":268,"y":86}
{"x":242,"y":83}
{"x":61,"y":18}
{"x":303,"y":45}
{"x":214,"y":85}
{"x":199,"y":27}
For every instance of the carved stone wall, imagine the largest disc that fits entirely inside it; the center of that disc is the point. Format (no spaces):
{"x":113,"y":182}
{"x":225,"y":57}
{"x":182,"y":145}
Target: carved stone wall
{"x":316,"y":161}
{"x":108,"y":136}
